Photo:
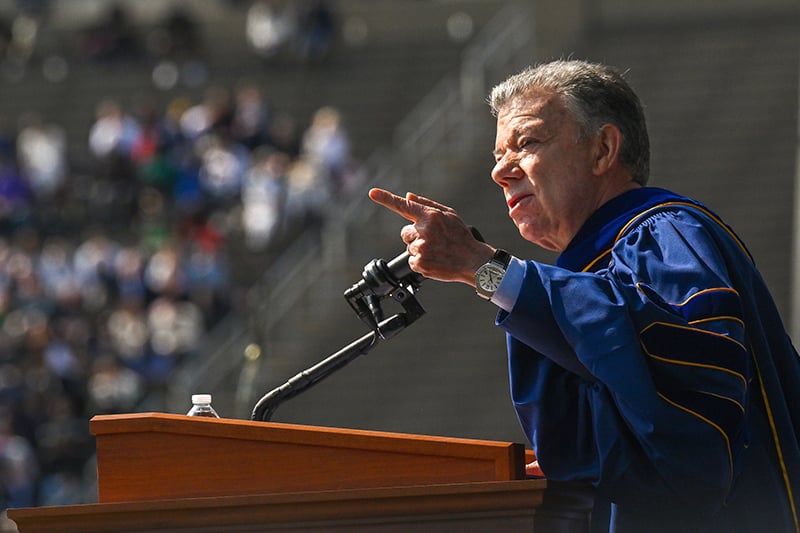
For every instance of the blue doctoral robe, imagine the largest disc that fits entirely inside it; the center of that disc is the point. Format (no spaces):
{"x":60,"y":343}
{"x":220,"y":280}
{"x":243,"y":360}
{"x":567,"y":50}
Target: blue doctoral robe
{"x":652,"y":362}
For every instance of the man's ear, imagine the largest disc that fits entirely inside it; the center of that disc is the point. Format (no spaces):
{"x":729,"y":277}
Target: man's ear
{"x":608,"y":144}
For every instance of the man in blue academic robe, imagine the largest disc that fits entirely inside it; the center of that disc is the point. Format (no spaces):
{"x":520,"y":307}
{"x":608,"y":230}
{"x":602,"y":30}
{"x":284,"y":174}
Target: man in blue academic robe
{"x":650,"y":363}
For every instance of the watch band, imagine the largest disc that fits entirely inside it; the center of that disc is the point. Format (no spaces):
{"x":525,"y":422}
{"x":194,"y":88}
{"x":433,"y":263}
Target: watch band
{"x":501,"y":257}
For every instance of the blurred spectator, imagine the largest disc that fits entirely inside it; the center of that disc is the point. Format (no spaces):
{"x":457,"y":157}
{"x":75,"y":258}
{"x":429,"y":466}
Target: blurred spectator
{"x":149,"y":135}
{"x":54,"y":269}
{"x":177,"y":37}
{"x":18,"y":466}
{"x":309,"y":193}
{"x":315,"y":30}
{"x":284,"y":134}
{"x":175,"y":327}
{"x":93,"y":263}
{"x":113,"y":130}
{"x":152,"y":151}
{"x":42,"y":155}
{"x":64,"y":444}
{"x":128,"y":333}
{"x":16,"y":197}
{"x":250,"y":124}
{"x":18,"y":41}
{"x":128,"y":279}
{"x":268,"y":27}
{"x":20,"y":37}
{"x":112,"y":387}
{"x":214,"y":112}
{"x":111,"y":192}
{"x":162,"y":273}
{"x":327,"y":144}
{"x":206,"y":269}
{"x":159,"y":170}
{"x":223,"y":165}
{"x":112,"y":39}
{"x":264,"y":198}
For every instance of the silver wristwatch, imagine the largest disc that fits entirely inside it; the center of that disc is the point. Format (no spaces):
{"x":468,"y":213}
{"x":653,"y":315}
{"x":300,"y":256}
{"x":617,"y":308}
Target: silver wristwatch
{"x":490,"y":274}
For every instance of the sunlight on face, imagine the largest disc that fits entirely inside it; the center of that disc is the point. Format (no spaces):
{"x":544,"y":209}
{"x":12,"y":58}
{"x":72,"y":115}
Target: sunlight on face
{"x":544,"y":168}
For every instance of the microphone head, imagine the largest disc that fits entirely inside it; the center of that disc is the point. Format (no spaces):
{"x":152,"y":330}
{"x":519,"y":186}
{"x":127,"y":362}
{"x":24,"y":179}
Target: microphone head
{"x":399,"y":266}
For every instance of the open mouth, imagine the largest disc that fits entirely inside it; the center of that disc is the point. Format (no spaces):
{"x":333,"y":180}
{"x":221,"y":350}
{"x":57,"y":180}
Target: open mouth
{"x":516,"y":199}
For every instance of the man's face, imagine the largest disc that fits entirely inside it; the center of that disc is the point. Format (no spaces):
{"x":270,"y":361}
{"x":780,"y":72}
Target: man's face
{"x":545,"y":169}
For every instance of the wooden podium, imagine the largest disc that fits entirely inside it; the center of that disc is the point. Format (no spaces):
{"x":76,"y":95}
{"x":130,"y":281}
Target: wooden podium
{"x":173,"y":473}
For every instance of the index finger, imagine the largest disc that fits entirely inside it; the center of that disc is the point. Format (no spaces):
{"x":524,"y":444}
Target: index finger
{"x":407,"y":209}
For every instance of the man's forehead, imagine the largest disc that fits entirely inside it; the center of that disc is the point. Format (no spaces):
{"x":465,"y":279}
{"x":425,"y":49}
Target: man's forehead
{"x":532,"y":106}
{"x":542,"y":110}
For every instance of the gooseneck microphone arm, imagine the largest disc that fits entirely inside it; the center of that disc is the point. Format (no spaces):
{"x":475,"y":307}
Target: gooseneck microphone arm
{"x":380,"y":280}
{"x":267,"y":405}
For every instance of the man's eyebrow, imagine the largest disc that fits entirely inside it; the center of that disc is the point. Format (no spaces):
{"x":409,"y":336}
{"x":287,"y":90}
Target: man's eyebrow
{"x":514,"y":134}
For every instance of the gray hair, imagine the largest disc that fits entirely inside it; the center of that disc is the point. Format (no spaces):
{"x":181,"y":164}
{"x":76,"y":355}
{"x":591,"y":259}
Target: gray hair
{"x":596,"y":95}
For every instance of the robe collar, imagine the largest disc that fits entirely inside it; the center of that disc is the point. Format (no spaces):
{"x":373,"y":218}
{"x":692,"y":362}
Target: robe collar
{"x":598,"y":233}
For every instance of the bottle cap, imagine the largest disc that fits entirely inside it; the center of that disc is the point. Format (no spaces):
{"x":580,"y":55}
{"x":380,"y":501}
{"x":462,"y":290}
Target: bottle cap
{"x":201,"y":398}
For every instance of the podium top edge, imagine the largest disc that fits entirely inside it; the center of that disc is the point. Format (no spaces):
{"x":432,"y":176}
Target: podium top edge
{"x":277,"y":431}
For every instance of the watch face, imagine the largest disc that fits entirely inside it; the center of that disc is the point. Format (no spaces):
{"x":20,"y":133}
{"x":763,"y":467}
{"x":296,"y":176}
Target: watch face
{"x":489,"y":277}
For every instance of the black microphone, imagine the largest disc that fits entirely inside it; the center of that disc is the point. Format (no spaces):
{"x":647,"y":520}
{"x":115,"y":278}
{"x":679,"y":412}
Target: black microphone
{"x":399,"y":266}
{"x":379,"y":278}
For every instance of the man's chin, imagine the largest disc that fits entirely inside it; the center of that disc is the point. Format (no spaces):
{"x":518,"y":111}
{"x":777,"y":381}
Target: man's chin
{"x":529,"y":235}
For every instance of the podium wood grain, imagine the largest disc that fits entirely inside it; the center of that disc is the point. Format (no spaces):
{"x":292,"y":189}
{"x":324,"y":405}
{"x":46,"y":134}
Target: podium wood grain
{"x":153,"y":456}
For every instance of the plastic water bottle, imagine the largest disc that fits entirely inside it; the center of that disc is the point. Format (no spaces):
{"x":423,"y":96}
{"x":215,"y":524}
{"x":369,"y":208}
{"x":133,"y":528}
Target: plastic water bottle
{"x":201,"y":406}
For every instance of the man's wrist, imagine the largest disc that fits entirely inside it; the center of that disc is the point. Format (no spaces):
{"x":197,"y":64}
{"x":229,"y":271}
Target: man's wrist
{"x":489,"y":275}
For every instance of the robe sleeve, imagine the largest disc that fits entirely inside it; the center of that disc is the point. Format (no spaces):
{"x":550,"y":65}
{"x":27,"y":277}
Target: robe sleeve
{"x":660,"y":410}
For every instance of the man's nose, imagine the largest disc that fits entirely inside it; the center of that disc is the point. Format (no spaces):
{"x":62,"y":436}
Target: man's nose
{"x":505,"y":169}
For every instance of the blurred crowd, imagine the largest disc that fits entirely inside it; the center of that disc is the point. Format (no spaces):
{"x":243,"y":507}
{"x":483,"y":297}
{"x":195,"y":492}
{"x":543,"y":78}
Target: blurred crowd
{"x":112,"y":271}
